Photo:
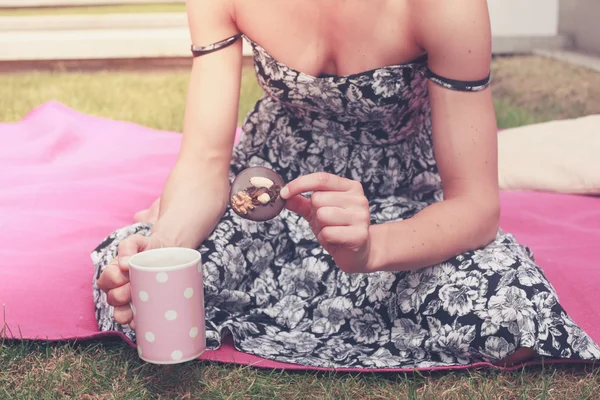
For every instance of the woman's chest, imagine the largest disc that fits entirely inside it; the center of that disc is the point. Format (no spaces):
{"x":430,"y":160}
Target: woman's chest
{"x":333,"y":37}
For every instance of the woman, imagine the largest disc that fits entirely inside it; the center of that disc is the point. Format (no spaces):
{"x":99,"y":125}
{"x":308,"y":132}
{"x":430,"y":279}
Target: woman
{"x":382,"y":110}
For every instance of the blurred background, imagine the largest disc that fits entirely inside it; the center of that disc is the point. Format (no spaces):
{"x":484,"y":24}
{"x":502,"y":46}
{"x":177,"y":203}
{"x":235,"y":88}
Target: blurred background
{"x":94,"y":29}
{"x":546,"y":58}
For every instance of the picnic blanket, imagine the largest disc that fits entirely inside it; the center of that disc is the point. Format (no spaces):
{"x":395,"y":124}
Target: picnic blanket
{"x":68,"y":179}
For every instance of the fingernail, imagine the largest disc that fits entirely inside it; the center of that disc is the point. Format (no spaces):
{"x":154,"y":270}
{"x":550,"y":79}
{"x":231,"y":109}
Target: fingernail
{"x":124,"y":261}
{"x":284,"y":192}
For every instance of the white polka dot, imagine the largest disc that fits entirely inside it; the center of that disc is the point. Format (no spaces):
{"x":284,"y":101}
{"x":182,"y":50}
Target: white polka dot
{"x":188,"y":293}
{"x":140,"y":351}
{"x":150,"y":337}
{"x":162,"y":277}
{"x":171,"y":315}
{"x":143,"y":296}
{"x":176,"y":355}
{"x":194,"y":332}
{"x":133,"y":310}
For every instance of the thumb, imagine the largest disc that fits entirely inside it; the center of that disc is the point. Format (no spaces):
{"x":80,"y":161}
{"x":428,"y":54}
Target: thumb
{"x":135,"y":244}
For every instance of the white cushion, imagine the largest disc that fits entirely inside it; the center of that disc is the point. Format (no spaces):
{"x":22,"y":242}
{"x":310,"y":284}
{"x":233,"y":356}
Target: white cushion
{"x":558,"y":156}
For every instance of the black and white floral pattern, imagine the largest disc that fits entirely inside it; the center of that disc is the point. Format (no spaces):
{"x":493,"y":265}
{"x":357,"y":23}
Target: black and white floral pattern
{"x":282,"y":297}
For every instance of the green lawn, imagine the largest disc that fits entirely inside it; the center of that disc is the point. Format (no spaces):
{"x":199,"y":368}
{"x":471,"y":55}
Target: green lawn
{"x":112,"y":370}
{"x":526,"y":90}
{"x":154,"y":99}
{"x":114,"y":9}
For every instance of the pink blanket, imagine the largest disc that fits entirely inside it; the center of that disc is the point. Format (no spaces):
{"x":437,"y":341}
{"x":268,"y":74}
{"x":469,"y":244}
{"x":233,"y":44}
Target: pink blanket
{"x":68,"y":179}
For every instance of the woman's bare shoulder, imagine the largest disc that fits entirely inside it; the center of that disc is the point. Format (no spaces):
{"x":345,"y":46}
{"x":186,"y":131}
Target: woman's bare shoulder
{"x":211,"y":20}
{"x":456,"y":35}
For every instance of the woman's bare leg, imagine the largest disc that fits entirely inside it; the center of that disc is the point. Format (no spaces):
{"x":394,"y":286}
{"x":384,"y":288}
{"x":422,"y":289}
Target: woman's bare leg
{"x":150,"y":214}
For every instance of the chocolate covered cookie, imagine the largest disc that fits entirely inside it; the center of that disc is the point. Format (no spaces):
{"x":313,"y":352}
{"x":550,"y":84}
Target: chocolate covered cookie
{"x":255,"y":194}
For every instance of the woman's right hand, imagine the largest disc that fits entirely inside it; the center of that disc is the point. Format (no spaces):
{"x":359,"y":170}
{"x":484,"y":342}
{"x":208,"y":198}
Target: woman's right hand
{"x":192,"y":201}
{"x":114,"y":280}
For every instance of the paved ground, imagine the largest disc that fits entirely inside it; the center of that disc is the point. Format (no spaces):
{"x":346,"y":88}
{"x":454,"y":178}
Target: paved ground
{"x":82,"y":37}
{"x":590,"y":61}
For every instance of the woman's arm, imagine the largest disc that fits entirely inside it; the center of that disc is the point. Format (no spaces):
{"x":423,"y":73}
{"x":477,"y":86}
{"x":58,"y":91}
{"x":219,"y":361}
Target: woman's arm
{"x":456,"y":36}
{"x":195,"y":194}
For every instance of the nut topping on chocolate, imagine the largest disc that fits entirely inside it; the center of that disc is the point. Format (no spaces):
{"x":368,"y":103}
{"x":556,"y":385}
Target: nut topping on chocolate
{"x":259,"y":181}
{"x":255,"y":194}
{"x":242,"y":202}
{"x":262,"y":196}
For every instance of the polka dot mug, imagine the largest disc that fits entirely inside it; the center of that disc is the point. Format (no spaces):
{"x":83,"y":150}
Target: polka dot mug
{"x":167,"y":294}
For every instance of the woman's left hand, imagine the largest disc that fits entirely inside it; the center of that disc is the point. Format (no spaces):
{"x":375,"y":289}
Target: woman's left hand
{"x":338,"y":214}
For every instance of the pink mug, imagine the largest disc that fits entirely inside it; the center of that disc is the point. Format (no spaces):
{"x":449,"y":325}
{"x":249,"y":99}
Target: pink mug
{"x":167,"y":296}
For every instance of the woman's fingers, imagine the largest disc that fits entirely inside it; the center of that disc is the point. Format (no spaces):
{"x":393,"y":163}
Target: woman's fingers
{"x":114,"y":280}
{"x":123,"y":314}
{"x":335,"y":216}
{"x":119,"y":296}
{"x":348,"y":236}
{"x":338,"y":211}
{"x":300,"y":205}
{"x":331,"y":209}
{"x":344,"y":200}
{"x":338,"y":199}
{"x":131,"y":246}
{"x":112,"y":277}
{"x":319,"y":181}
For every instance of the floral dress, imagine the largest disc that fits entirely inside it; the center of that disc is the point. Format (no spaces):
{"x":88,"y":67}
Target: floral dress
{"x":279,"y":293}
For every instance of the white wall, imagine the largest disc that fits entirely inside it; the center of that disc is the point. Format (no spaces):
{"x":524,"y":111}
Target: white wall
{"x":581,"y":20}
{"x":524,"y":17}
{"x":519,"y":26}
{"x":508,"y":17}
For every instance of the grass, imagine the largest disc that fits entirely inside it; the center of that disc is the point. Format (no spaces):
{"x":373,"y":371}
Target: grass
{"x":527,"y":90}
{"x":155,"y":99}
{"x":110,"y":370}
{"x":113,"y":9}
{"x":535,"y":89}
